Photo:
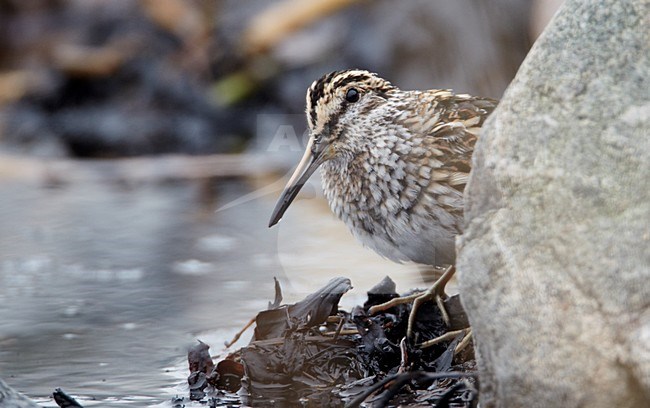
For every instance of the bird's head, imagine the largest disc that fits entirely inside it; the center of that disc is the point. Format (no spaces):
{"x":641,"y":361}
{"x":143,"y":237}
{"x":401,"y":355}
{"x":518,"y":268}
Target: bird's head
{"x":336,"y":103}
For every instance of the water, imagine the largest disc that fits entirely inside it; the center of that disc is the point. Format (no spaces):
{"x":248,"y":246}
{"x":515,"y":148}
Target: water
{"x":103,"y":286}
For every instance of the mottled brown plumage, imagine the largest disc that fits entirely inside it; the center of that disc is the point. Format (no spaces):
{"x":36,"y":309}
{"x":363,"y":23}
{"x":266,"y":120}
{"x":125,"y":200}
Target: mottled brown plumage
{"x":394,"y":163}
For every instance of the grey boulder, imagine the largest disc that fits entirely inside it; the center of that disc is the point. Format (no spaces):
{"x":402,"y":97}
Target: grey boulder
{"x":554,"y":265}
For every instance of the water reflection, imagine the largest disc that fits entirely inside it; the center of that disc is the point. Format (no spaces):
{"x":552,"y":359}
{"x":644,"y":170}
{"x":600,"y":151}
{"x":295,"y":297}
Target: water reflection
{"x":103,"y":286}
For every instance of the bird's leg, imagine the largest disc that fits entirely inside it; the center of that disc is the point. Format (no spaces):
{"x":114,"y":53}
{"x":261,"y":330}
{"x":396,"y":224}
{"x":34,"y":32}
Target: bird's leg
{"x":435,"y":292}
{"x":392,"y":303}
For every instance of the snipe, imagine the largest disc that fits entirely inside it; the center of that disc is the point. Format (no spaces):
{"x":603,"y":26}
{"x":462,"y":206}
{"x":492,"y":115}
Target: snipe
{"x":394,"y":165}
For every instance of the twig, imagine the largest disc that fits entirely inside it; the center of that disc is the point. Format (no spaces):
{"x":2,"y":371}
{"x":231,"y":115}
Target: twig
{"x":239,"y":333}
{"x":346,"y":332}
{"x":445,"y":337}
{"x":464,"y":343}
{"x":402,"y":379}
{"x":338,"y":329}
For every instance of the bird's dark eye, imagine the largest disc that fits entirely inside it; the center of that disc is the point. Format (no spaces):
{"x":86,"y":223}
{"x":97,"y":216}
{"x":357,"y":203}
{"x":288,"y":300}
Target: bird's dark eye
{"x":352,"y":95}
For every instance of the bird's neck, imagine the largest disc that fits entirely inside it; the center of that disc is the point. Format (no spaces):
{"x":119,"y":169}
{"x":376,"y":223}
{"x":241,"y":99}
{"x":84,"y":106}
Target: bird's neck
{"x":367,"y":183}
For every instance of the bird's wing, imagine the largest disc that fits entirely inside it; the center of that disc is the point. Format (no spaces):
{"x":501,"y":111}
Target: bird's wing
{"x":448,"y":126}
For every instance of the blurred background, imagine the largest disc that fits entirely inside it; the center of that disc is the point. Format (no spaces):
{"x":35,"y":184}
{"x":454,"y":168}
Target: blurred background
{"x":143,"y":144}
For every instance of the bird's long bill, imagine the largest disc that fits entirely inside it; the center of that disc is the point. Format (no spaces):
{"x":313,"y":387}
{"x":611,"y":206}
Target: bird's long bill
{"x":308,"y":164}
